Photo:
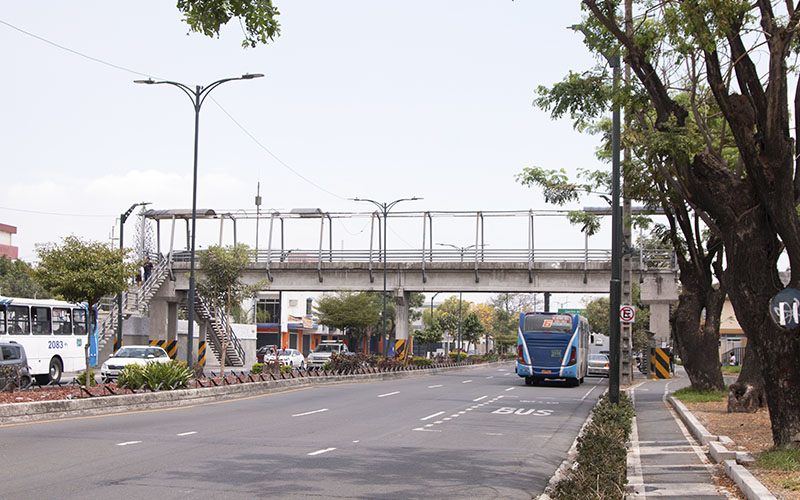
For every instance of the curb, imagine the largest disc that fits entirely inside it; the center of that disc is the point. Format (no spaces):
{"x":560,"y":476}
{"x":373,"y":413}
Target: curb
{"x":37,"y":411}
{"x":750,"y":486}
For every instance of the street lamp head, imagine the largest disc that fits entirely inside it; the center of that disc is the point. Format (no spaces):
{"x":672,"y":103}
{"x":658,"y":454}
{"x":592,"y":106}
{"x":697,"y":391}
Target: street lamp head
{"x":149,"y":81}
{"x":250,"y":76}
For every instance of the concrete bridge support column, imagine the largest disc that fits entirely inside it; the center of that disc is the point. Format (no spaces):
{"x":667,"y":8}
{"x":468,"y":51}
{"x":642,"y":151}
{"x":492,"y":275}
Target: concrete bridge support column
{"x":158,"y":319}
{"x":172,"y":321}
{"x":401,"y":300}
{"x":659,"y":291}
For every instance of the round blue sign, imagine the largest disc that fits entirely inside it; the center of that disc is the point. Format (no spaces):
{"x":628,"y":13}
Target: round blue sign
{"x":785,"y":308}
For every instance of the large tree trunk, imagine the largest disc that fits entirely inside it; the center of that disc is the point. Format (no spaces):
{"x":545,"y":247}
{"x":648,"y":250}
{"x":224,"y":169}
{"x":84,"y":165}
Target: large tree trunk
{"x":697,"y":347}
{"x":747,"y":393}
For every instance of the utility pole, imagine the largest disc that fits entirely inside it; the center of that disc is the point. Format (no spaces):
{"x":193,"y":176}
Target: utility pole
{"x":626,"y":330}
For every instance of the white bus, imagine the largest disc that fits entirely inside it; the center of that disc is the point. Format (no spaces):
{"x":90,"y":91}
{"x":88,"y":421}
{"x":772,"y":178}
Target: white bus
{"x":53,"y":334}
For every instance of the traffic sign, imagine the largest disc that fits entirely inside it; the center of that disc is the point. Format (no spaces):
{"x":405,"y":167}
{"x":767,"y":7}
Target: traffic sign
{"x":627,"y":314}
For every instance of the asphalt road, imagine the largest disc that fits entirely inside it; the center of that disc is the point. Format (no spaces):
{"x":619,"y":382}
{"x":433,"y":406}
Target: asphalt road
{"x":476,"y":433}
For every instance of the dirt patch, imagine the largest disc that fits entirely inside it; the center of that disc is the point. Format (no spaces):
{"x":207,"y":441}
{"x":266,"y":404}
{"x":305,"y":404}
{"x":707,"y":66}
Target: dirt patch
{"x":751,"y":432}
{"x":39,"y":394}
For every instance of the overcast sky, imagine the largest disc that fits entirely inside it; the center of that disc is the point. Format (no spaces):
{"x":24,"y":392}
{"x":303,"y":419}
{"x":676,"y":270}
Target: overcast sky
{"x":361,"y":98}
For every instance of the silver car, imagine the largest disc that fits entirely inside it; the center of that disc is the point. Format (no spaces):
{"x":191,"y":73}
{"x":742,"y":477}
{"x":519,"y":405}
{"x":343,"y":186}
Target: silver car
{"x":598,"y":365}
{"x":323,"y":352}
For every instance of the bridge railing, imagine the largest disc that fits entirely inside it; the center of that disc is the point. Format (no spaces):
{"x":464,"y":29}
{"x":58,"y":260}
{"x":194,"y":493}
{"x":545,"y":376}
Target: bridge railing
{"x":648,"y":258}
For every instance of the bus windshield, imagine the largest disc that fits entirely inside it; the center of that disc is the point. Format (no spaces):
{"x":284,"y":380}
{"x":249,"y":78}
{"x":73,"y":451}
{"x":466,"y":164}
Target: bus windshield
{"x":558,"y":323}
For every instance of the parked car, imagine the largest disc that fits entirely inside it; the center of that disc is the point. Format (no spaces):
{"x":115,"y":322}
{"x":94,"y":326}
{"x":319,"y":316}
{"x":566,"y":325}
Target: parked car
{"x":131,"y":355}
{"x":292,"y":357}
{"x":266,"y":352}
{"x":598,"y":365}
{"x":323,"y":352}
{"x":13,"y":355}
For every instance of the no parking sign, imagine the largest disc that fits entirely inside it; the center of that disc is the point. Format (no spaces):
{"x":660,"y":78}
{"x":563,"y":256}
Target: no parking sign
{"x":627,"y":314}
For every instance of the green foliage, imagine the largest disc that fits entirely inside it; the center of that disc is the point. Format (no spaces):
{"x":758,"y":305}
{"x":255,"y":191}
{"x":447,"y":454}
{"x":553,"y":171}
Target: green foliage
{"x":787,"y":459}
{"x":420,"y":361}
{"x":600,"y":470}
{"x":82,"y":378}
{"x":454,"y":356}
{"x":223,"y":268}
{"x":429,"y":336}
{"x":131,"y":377}
{"x":82,"y":271}
{"x":155,"y":376}
{"x":346,"y":310}
{"x":472,"y":329}
{"x":257,"y":18}
{"x":491,"y":356}
{"x":596,"y":313}
{"x":390,"y":363}
{"x":692,"y":395}
{"x":16,"y":280}
{"x":10,"y":377}
{"x":258,"y":368}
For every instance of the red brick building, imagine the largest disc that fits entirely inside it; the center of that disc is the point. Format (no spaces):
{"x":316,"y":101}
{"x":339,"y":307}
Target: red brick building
{"x":6,"y":248}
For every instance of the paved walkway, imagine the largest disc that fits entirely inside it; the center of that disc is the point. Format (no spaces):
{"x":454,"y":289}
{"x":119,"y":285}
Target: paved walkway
{"x":664,"y":460}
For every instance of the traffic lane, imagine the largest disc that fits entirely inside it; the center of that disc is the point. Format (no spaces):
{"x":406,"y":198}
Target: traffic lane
{"x":138,"y":457}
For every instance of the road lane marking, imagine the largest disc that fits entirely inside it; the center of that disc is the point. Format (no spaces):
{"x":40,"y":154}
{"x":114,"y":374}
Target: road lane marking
{"x":434,"y":386}
{"x":126,"y":443}
{"x":425,"y":430}
{"x":490,"y":376}
{"x":389,"y":394}
{"x":478,"y":399}
{"x":494,"y":434}
{"x":309,"y":412}
{"x":466,"y":381}
{"x":589,"y":392}
{"x":431,"y":416}
{"x":510,"y":389}
{"x":320,"y":452}
{"x":356,"y":441}
{"x":187,"y":433}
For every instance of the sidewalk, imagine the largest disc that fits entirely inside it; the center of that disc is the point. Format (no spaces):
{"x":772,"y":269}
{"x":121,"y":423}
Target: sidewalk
{"x":665,"y":460}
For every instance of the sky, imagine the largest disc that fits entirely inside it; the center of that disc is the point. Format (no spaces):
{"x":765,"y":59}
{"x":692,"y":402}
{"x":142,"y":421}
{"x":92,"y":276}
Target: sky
{"x":380,"y":100}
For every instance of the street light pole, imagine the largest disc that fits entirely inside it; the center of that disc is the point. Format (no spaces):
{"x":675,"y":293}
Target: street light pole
{"x":385,"y":207}
{"x":197,"y":96}
{"x":615,"y":285}
{"x":122,"y":218}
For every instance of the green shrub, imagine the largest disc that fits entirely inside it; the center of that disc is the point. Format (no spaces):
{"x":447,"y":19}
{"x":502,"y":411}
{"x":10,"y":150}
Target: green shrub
{"x":782,"y":459}
{"x":131,"y":377}
{"x":172,"y":375}
{"x":600,"y":470}
{"x":286,"y":369}
{"x":454,"y":356}
{"x":692,"y":395}
{"x":490,"y":357}
{"x":82,"y":378}
{"x":419,"y":361}
{"x":258,"y":368}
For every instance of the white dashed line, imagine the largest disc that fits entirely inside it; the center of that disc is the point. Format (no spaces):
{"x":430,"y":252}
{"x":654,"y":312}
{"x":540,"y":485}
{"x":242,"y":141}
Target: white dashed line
{"x":356,"y":441}
{"x":320,"y":452}
{"x":389,"y":394}
{"x":426,"y":430}
{"x":309,"y":412}
{"x":466,"y":381}
{"x":126,"y":443}
{"x":431,"y":416}
{"x":187,"y":433}
{"x":434,"y":386}
{"x":510,"y":389}
{"x":478,"y":399}
{"x":493,"y":434}
{"x":490,"y":376}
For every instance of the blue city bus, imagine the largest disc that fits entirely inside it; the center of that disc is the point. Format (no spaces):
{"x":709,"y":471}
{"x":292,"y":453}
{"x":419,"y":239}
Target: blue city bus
{"x":552,"y":346}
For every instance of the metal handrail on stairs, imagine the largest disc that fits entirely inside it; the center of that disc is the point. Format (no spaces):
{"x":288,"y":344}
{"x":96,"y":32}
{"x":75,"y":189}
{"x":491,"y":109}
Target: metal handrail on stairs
{"x":204,"y":308}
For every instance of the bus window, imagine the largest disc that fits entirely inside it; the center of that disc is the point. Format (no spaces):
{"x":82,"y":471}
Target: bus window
{"x":40,"y":320}
{"x":2,"y":320}
{"x":62,"y":321}
{"x":17,"y":318}
{"x":559,"y":323}
{"x":79,"y":321}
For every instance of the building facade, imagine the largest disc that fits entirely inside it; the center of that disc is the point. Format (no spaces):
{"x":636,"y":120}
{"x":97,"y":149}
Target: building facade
{"x":6,"y":248}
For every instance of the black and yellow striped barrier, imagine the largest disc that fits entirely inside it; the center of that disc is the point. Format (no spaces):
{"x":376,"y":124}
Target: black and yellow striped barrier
{"x":117,"y":344}
{"x":659,"y":363}
{"x":400,"y":348}
{"x":171,"y":346}
{"x":201,"y":353}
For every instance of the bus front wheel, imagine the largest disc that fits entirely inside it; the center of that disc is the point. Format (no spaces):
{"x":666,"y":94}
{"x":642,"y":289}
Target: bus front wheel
{"x":55,"y":371}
